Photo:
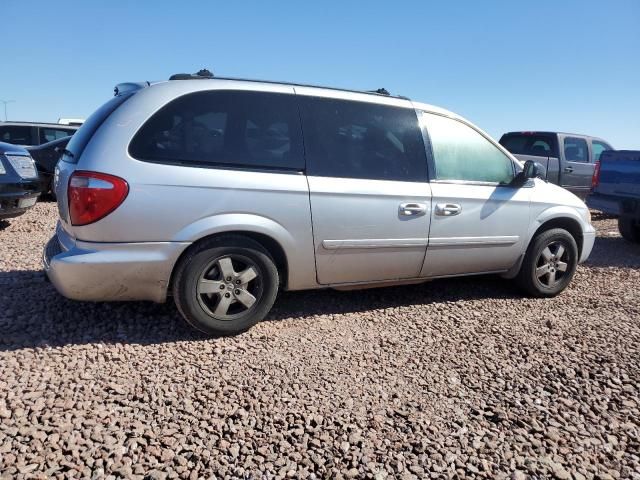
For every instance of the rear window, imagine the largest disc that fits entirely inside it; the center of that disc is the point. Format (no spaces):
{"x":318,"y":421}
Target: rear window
{"x":17,"y":134}
{"x":238,"y":129}
{"x":350,"y":139}
{"x":83,"y":135}
{"x":536,"y":144}
{"x":50,"y":134}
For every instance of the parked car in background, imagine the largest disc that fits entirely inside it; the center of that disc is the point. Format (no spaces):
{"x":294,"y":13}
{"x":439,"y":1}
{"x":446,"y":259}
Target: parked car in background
{"x":568,"y":159}
{"x":19,"y":183}
{"x":33,"y":133}
{"x":201,"y":188}
{"x":46,"y":157}
{"x":616,"y":190}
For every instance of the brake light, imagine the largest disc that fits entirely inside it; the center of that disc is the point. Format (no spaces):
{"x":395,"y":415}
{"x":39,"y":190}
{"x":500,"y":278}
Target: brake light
{"x":94,"y":195}
{"x":595,"y":179}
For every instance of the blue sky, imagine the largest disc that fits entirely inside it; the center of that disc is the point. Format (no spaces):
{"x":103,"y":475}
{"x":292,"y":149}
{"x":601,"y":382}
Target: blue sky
{"x":505,"y":65}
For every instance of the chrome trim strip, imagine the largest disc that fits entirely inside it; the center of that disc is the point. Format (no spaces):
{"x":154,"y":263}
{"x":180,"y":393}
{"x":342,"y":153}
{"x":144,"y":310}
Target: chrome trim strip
{"x":374,"y":243}
{"x":472,"y":241}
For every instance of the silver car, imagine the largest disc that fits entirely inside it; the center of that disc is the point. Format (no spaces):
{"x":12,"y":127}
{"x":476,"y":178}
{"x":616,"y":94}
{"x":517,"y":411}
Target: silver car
{"x":221,"y":191}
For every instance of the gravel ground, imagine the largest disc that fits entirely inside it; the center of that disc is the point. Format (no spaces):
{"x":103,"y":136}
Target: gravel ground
{"x":457,"y":378}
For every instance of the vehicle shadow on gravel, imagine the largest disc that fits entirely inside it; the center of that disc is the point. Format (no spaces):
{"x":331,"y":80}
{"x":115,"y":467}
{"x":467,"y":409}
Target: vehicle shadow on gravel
{"x":35,"y":315}
{"x":614,"y":251}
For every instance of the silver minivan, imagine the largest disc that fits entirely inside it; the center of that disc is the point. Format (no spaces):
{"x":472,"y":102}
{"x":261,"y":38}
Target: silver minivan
{"x":221,"y":191}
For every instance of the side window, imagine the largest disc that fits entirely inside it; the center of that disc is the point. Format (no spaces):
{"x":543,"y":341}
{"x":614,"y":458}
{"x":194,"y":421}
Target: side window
{"x":351,"y":139}
{"x":234,"y":128}
{"x":462,"y":153}
{"x":597,"y":148}
{"x":18,"y":135}
{"x":576,"y":150}
{"x":51,"y":134}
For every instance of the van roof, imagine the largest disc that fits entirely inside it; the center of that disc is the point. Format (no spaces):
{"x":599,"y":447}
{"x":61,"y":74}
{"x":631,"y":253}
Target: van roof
{"x":207,"y":75}
{"x":183,"y":77}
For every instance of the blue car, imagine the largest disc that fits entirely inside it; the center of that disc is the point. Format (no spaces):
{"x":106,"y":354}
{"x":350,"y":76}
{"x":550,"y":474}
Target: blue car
{"x":19,"y":182}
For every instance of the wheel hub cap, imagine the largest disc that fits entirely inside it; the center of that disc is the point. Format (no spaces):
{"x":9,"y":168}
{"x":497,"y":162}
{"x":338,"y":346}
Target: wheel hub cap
{"x":552,"y":264}
{"x":229,"y":286}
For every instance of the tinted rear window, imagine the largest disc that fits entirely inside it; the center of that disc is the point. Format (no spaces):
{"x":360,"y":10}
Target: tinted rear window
{"x":17,"y":134}
{"x":537,"y":144}
{"x":351,"y":139}
{"x":240,"y":129}
{"x":81,"y":137}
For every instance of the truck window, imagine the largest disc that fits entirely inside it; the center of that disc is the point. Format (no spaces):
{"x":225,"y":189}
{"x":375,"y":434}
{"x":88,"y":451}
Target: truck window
{"x":576,"y":150}
{"x":51,"y":134}
{"x":537,"y":144}
{"x":597,"y":148}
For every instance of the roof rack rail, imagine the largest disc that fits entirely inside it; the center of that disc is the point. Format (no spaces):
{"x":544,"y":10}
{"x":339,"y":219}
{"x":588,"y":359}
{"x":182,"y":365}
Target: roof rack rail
{"x":201,"y":75}
{"x":205,"y":74}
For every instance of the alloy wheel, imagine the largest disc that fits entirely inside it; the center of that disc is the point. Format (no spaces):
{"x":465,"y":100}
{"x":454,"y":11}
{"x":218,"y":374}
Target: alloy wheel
{"x":552,"y":264}
{"x":229,"y":286}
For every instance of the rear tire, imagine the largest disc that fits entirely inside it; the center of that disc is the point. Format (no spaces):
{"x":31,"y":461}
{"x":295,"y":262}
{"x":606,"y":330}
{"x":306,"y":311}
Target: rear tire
{"x":549,"y":264}
{"x":629,"y":228}
{"x":225,"y":285}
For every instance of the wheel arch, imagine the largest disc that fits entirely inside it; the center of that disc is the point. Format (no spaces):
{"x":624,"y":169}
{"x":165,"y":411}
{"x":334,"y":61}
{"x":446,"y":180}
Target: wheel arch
{"x":566,"y":220}
{"x":273,"y":237}
{"x":569,"y":224}
{"x":271,"y":245}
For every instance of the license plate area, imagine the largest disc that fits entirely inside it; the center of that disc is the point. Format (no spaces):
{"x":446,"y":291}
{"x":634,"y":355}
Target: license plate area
{"x":27,"y":202}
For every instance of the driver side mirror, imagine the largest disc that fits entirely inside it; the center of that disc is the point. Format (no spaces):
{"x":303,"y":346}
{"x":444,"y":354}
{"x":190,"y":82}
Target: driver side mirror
{"x":531,"y":169}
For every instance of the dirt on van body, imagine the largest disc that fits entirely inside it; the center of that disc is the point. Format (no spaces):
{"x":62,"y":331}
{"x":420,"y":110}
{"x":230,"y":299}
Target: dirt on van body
{"x":458,"y":378}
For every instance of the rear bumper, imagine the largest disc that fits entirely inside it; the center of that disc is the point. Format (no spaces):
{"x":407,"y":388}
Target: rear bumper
{"x":14,"y":203}
{"x":604,"y":204}
{"x":110,"y":271}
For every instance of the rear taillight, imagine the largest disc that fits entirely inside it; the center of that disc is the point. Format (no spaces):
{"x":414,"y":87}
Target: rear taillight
{"x":595,"y":179}
{"x":94,"y":195}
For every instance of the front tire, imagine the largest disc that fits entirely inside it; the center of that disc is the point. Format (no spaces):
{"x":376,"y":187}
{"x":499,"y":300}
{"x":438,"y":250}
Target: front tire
{"x":549,"y":264}
{"x":629,"y":229}
{"x":225,"y":285}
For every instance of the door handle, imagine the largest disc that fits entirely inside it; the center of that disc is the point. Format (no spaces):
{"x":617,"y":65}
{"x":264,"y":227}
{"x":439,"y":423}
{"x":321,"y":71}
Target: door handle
{"x":408,"y":209}
{"x":568,"y":169}
{"x":448,"y":209}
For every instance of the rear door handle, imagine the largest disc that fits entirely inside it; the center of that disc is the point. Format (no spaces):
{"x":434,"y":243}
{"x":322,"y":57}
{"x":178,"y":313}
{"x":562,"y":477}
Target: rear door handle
{"x":448,"y":209}
{"x":568,"y":169}
{"x":408,"y":209}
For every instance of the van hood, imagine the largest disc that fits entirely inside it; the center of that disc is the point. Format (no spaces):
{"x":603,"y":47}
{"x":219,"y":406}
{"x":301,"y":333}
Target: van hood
{"x":547,"y":192}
